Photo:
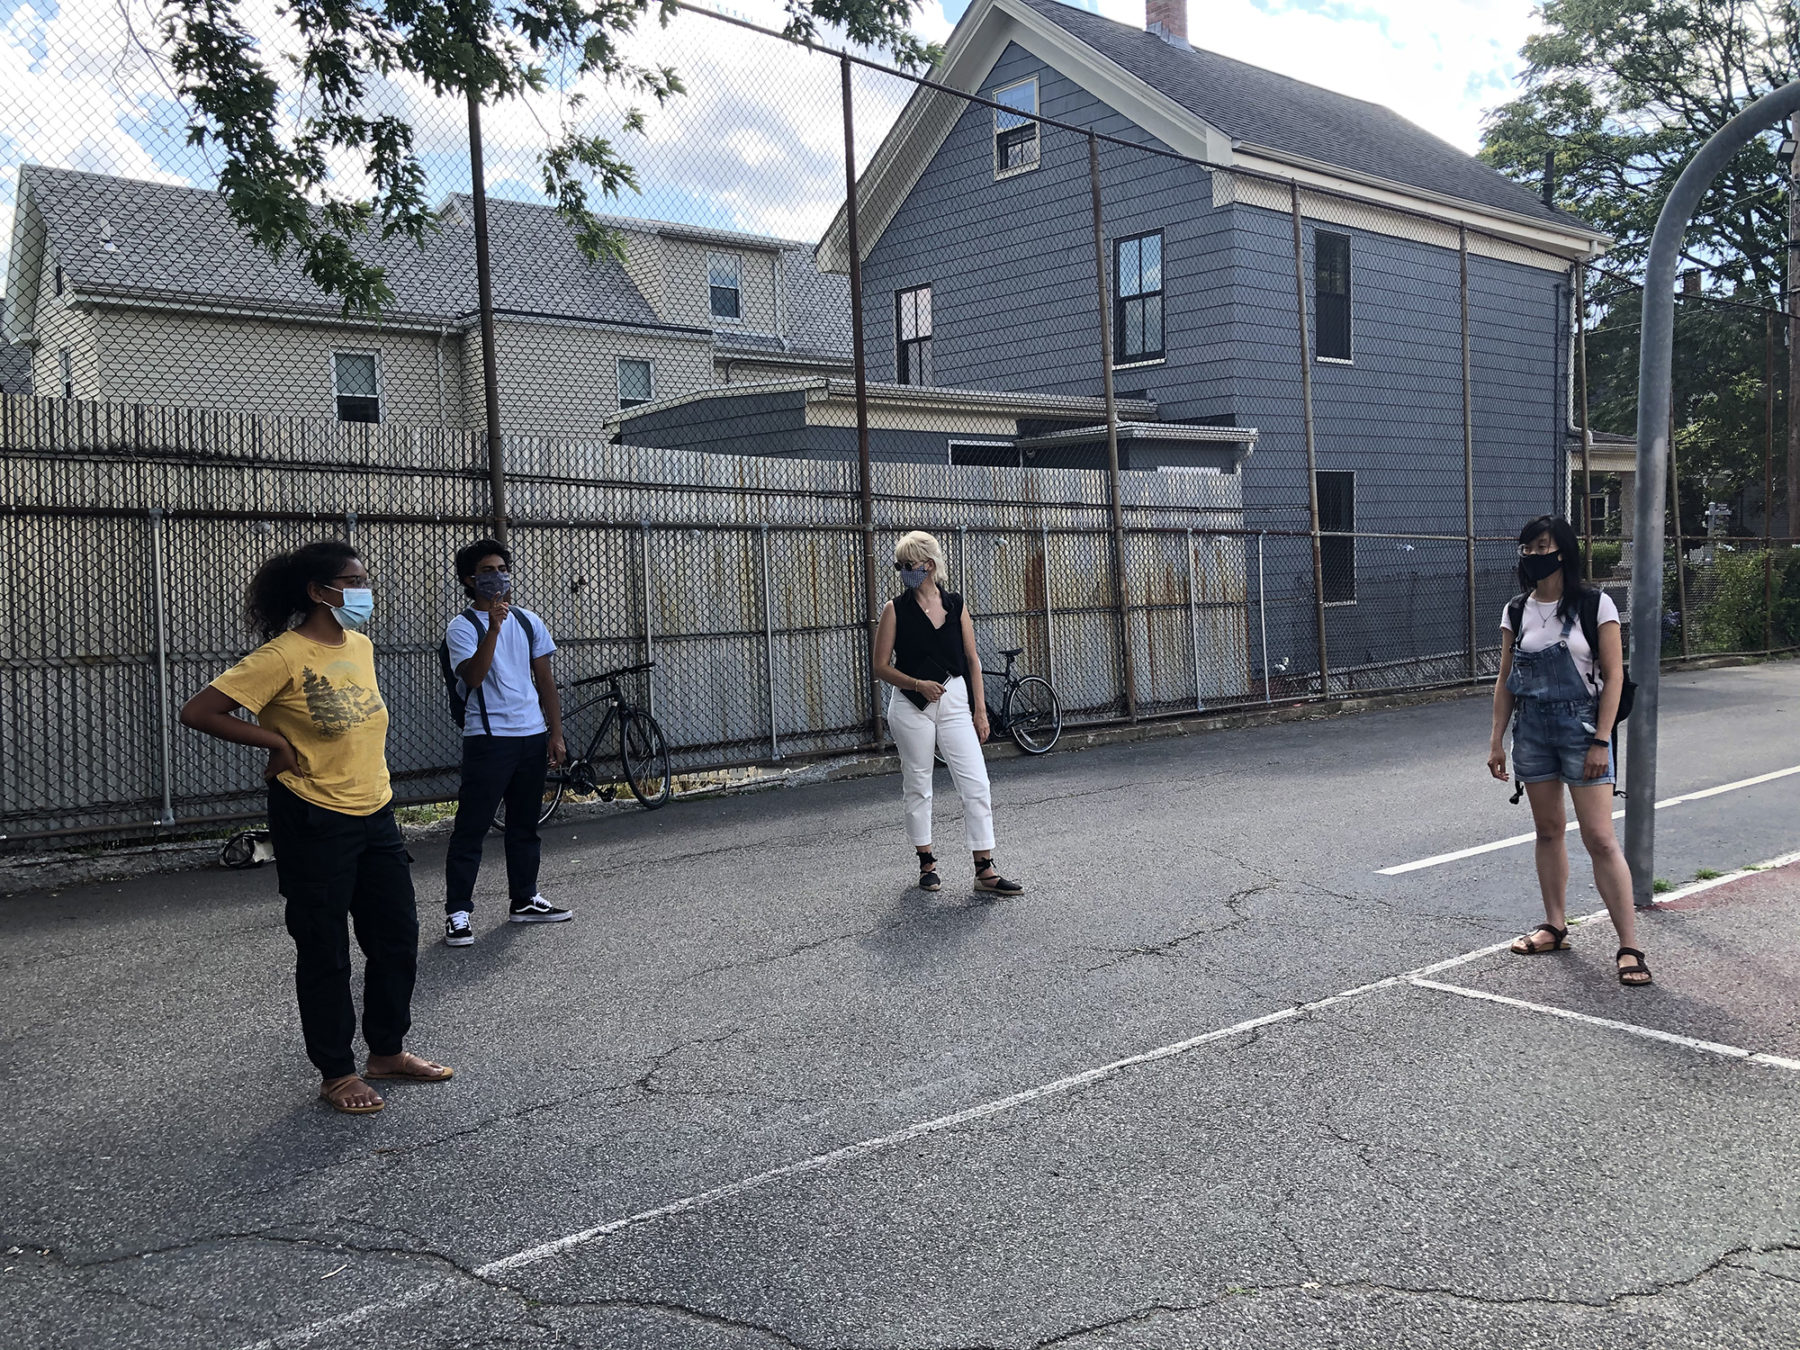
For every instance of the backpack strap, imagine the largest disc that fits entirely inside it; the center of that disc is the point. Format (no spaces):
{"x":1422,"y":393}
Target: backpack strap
{"x":1515,"y":614}
{"x":1590,"y":621}
{"x":479,"y":692}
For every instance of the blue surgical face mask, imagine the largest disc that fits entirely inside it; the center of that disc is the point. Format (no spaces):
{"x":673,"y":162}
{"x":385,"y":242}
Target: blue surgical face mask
{"x":492,"y":585}
{"x":913,"y":576}
{"x":359,"y":603}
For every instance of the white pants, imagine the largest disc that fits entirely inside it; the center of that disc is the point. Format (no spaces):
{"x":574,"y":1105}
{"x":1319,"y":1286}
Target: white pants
{"x":947,"y":726}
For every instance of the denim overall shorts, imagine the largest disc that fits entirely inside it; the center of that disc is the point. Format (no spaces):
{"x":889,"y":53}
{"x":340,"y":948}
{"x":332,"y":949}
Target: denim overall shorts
{"x":1554,"y":715}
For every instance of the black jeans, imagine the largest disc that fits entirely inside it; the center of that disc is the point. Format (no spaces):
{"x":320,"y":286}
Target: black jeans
{"x":495,"y":768}
{"x":331,"y":867}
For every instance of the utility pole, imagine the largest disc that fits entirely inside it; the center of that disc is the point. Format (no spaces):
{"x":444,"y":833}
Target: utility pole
{"x":484,"y":291}
{"x":1790,"y":146}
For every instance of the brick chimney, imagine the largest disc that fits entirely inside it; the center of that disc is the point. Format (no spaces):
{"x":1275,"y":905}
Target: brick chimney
{"x":1168,"y":20}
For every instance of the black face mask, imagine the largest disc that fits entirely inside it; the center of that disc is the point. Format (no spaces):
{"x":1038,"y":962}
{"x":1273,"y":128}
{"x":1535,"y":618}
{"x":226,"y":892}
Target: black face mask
{"x":1539,"y":566}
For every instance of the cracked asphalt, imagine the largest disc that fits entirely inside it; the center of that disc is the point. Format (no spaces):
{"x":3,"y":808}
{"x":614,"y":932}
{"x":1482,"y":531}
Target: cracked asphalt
{"x":752,"y":983}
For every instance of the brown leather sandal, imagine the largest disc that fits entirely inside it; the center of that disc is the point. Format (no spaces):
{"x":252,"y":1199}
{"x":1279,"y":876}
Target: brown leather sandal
{"x":333,"y":1091}
{"x":432,"y":1073}
{"x":1559,"y":941}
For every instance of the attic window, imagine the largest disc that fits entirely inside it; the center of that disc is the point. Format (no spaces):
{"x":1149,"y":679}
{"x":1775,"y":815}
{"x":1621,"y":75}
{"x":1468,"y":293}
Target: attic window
{"x":1015,"y":133}
{"x":722,"y":283}
{"x":59,"y":279}
{"x":356,"y":385}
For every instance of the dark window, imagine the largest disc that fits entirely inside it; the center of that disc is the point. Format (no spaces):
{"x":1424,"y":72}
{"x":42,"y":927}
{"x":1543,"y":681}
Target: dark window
{"x":723,"y":286}
{"x":65,"y":372}
{"x":1015,"y":134}
{"x":637,"y":382}
{"x":59,"y":279}
{"x":984,"y":452}
{"x":356,"y":384}
{"x":1331,"y":295}
{"x":912,"y":335}
{"x":1138,"y":298}
{"x":1337,"y":513}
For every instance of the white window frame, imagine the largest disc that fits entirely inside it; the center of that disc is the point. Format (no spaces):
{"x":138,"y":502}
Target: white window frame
{"x":380,"y":383}
{"x":1355,"y":590}
{"x":619,"y":383}
{"x":967,"y":442}
{"x":737,"y":260}
{"x":1037,"y":128}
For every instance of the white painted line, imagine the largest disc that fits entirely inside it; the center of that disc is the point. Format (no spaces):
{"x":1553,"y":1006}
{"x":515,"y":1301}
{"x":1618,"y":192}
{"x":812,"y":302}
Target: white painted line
{"x":1630,"y":1028}
{"x":1461,"y":853}
{"x":311,"y":1331}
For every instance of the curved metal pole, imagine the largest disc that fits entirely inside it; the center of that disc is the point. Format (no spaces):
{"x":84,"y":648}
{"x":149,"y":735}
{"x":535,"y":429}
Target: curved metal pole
{"x":1655,"y":355}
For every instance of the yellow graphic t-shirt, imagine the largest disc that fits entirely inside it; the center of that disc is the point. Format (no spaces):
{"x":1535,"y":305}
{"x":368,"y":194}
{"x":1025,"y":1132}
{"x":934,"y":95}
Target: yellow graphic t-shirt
{"x":324,"y":701}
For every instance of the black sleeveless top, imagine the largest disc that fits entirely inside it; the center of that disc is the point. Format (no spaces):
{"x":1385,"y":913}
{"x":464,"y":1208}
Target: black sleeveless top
{"x":925,"y":652}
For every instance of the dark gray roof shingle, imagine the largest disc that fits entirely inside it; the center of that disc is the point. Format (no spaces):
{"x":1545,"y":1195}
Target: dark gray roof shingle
{"x":1281,"y":113}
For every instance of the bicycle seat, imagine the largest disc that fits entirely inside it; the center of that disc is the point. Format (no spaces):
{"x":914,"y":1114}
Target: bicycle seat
{"x":1011,"y":652}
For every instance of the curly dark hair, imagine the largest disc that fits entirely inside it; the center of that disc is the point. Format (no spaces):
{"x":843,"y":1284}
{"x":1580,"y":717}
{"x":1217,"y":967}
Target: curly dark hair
{"x":469,"y":557}
{"x":276,"y":598}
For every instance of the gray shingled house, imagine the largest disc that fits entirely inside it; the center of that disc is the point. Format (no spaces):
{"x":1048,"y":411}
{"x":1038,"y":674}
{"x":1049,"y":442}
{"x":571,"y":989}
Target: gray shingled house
{"x":144,"y":292}
{"x":969,"y":236}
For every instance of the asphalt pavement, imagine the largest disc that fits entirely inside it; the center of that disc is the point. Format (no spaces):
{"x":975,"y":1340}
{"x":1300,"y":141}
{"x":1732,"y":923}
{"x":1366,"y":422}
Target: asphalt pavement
{"x":1210,"y":1082}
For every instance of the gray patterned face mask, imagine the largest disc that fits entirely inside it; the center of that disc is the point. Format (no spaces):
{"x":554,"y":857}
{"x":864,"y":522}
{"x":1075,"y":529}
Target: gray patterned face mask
{"x":914,"y":576}
{"x":492,"y":585}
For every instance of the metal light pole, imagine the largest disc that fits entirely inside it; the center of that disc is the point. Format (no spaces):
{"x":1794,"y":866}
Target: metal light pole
{"x":1655,"y":376}
{"x":484,"y":290}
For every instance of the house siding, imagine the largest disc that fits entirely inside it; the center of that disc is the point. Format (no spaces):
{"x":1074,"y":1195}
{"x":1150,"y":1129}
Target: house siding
{"x":282,"y":369}
{"x":561,"y":379}
{"x":61,"y":323}
{"x":1011,"y":266}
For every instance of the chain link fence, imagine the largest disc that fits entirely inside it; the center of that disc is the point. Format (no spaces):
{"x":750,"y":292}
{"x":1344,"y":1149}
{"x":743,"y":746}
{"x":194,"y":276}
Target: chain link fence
{"x":1196,"y":434}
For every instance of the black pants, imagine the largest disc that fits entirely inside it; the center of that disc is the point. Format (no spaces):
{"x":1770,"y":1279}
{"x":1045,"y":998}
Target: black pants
{"x":331,"y":867}
{"x":496,"y":768}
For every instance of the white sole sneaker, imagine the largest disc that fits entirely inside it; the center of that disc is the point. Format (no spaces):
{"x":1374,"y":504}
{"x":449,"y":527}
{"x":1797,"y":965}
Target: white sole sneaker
{"x":539,"y":910}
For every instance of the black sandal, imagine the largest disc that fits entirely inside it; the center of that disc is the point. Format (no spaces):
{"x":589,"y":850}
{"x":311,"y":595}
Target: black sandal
{"x":928,"y":877}
{"x":995,"y":884}
{"x":1637,"y":967}
{"x":1561,"y":944}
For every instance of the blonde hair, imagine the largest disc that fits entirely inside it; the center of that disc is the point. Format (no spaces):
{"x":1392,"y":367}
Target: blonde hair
{"x":917,"y":547}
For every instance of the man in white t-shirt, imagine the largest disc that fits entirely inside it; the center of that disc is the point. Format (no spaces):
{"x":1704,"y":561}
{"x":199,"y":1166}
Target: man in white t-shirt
{"x":512,"y":732}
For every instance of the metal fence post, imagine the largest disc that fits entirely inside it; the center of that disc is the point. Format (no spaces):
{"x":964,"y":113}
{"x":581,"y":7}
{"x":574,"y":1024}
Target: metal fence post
{"x":484,"y":297}
{"x":1312,"y":452}
{"x":769,"y":647}
{"x":1194,"y":620}
{"x":1049,"y":615}
{"x":157,"y":518}
{"x":649,"y":636}
{"x":864,"y":471}
{"x":1121,"y":556}
{"x":1587,"y":437}
{"x":1468,"y":428}
{"x":1769,"y":481}
{"x":1262,"y":609}
{"x":349,"y":527}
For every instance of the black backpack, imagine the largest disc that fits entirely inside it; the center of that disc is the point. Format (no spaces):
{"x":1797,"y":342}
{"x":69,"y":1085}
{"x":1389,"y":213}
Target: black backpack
{"x":1589,"y":614}
{"x":459,"y":705}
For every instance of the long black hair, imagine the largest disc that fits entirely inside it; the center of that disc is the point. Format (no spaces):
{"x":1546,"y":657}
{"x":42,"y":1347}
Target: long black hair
{"x":1568,"y":547}
{"x":276,"y":598}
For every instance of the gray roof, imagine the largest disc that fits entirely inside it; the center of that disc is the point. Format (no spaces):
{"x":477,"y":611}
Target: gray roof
{"x":1261,"y":108}
{"x":181,"y":243}
{"x":15,"y":369}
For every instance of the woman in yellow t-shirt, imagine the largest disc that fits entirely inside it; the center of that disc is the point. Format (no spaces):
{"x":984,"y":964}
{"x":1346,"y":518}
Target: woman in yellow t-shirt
{"x":339,"y":856}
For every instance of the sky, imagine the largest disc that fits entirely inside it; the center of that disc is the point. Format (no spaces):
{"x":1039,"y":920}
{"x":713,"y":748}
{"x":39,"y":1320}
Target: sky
{"x":755,"y":143}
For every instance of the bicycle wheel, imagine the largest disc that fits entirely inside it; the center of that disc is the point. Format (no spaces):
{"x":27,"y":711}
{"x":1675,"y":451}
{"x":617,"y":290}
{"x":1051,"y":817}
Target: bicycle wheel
{"x":1033,"y":714}
{"x":554,"y":787}
{"x":644,"y":755}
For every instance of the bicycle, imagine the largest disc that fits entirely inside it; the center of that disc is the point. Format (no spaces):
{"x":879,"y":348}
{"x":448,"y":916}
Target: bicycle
{"x":1029,"y":710}
{"x":643,"y":751}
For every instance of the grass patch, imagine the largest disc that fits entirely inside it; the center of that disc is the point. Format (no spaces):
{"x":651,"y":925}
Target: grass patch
{"x":425,"y":814}
{"x":1662,"y":885}
{"x":1707,"y":874}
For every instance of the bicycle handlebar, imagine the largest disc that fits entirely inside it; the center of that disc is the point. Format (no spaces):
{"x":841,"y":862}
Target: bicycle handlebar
{"x":613,"y":674}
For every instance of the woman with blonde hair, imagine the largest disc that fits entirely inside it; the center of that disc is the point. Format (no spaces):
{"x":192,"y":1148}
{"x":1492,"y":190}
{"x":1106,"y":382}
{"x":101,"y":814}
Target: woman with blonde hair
{"x":925,"y":648}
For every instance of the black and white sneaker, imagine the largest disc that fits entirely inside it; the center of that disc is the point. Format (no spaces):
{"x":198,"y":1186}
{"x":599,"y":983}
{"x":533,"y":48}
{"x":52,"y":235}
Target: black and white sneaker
{"x":538,"y":910}
{"x":456,"y":930}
